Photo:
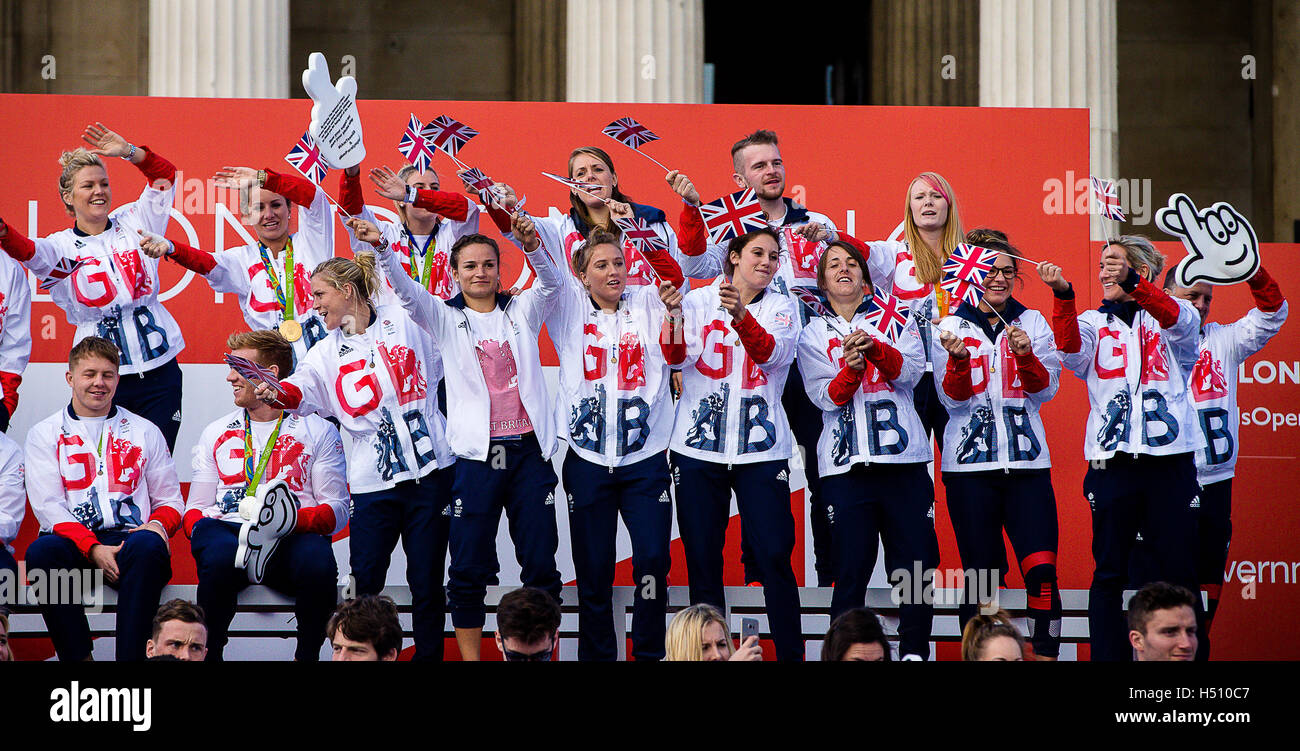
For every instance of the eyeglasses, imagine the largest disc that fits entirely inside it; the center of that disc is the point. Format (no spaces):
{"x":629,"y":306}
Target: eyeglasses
{"x":1007,"y":272}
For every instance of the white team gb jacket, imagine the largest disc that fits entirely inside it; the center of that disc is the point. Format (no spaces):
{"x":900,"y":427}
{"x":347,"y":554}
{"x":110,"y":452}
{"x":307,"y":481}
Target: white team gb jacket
{"x":1137,"y":382}
{"x":468,"y":429}
{"x":799,"y":258}
{"x":999,"y":426}
{"x":114,"y":293}
{"x":241,"y":272}
{"x":382,"y":386}
{"x":443,"y":280}
{"x":730,"y":409}
{"x":1213,"y":386}
{"x":614,"y":380}
{"x":114,"y":484}
{"x":879,"y":424}
{"x":308,"y":456}
{"x":13,"y":491}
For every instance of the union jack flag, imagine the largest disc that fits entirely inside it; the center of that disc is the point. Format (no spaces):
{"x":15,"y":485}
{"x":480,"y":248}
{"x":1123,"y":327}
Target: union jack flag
{"x":887,"y":313}
{"x":254,"y":372}
{"x":640,"y":234}
{"x":629,"y":132}
{"x":414,"y":147}
{"x":447,"y":134}
{"x":813,"y":302}
{"x":732,"y":216}
{"x":475,"y":180}
{"x":1107,"y":198}
{"x":62,"y":270}
{"x":305,"y":157}
{"x":964,"y":272}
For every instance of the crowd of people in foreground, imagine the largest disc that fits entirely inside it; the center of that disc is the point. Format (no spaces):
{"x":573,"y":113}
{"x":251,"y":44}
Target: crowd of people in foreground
{"x":669,"y":397}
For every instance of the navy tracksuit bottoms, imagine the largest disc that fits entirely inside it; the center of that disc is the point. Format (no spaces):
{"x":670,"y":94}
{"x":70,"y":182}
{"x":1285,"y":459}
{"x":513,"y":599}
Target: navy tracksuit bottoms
{"x":597,"y":496}
{"x":517,"y":479}
{"x":1128,"y":494}
{"x":981,"y":505}
{"x":417,"y":513}
{"x":893,"y":503}
{"x":144,"y":568}
{"x":302,"y":567}
{"x":763,"y":497}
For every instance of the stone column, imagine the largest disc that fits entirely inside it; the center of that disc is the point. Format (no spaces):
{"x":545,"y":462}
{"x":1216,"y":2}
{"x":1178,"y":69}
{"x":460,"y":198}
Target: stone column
{"x":219,"y":48}
{"x":1286,"y":119}
{"x":1055,"y":54}
{"x":925,"y":53}
{"x":540,"y":50}
{"x":635,"y":51}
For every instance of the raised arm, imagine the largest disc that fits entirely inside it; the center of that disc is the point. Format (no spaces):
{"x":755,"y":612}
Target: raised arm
{"x":424,"y":308}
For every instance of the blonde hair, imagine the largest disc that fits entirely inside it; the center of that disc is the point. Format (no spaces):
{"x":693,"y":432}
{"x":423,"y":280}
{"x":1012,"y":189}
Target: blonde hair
{"x":73,"y":162}
{"x":927,"y":260}
{"x":685,"y":637}
{"x":360,"y":274}
{"x":1140,"y":252}
{"x":983,"y":628}
{"x":406,"y":171}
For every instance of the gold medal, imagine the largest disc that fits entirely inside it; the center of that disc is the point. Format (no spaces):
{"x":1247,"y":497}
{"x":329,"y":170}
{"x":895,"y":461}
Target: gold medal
{"x":291,"y":330}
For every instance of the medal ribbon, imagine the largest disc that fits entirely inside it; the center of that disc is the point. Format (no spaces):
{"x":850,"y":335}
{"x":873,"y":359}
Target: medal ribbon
{"x":429,"y":249}
{"x":283,"y":292}
{"x":254,"y":478}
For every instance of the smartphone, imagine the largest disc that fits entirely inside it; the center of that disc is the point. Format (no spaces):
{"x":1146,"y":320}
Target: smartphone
{"x":748,"y":628}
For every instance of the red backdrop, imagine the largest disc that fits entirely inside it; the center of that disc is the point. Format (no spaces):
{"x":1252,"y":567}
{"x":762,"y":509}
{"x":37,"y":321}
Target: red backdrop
{"x":853,"y":164}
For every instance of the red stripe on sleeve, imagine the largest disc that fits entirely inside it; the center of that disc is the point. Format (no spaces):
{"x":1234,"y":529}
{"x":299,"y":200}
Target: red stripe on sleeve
{"x":351,"y":199}
{"x":17,"y":245}
{"x":167,"y":516}
{"x":299,"y":190}
{"x":1268,"y":296}
{"x":198,"y":261}
{"x":1033,"y":376}
{"x":1065,"y":325}
{"x":10,"y":383}
{"x":887,"y":360}
{"x":844,"y":385}
{"x":755,"y":339}
{"x":454,"y":206}
{"x":156,"y":168}
{"x":956,"y":379}
{"x":1157,"y":302}
{"x":691,"y":237}
{"x":316,"y":519}
{"x":82,"y":537}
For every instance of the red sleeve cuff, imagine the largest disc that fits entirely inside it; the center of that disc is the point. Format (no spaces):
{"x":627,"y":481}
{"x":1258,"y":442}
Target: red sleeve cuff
{"x":192,"y":517}
{"x":195,"y":260}
{"x":10,"y":381}
{"x":17,"y":245}
{"x":454,"y":206}
{"x":1033,"y":376}
{"x":299,"y":190}
{"x":674,"y":351}
{"x":844,"y":385}
{"x":665,"y":266}
{"x":1157,"y":302}
{"x":80,"y":536}
{"x":167,"y":516}
{"x":887,"y":360}
{"x":1065,"y":325}
{"x":691,"y":237}
{"x":1268,"y":296}
{"x":292,"y":398}
{"x":862,"y":247}
{"x":501,"y":219}
{"x":351,"y":199}
{"x":755,"y":339}
{"x":156,"y":168}
{"x":317,"y":519}
{"x":956,"y":380}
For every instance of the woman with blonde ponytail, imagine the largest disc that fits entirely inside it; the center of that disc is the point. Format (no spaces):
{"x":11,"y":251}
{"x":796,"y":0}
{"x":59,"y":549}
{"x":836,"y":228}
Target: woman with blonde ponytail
{"x":377,"y":373}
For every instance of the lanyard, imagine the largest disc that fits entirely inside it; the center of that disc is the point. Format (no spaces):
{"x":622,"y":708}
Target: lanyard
{"x":428,"y":251}
{"x":255,"y":477}
{"x":283,"y":292}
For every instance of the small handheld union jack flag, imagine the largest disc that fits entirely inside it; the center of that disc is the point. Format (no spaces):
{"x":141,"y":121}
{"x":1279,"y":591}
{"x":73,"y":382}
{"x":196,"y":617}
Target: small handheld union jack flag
{"x":447,"y":134}
{"x":640,"y":234}
{"x":732,"y":216}
{"x":475,"y":180}
{"x":887,"y":314}
{"x":1107,"y":198}
{"x":812,"y":302}
{"x":305,"y":157}
{"x":414,"y":147}
{"x":964,"y":272}
{"x":629,"y":132}
{"x":254,"y":372}
{"x":62,"y":270}
{"x":577,"y":185}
